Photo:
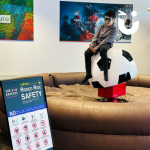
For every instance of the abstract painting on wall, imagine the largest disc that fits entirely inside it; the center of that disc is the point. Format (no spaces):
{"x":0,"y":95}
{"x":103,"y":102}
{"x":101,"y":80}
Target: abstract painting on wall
{"x":16,"y":20}
{"x":79,"y":21}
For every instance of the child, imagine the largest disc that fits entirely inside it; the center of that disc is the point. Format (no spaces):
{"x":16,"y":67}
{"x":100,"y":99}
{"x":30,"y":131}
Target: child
{"x":102,"y":41}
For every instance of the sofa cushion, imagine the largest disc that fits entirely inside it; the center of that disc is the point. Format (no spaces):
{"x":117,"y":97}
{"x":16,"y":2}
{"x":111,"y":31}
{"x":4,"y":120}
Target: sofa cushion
{"x":84,"y":92}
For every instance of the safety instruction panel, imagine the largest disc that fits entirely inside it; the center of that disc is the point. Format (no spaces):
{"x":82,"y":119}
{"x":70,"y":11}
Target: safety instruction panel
{"x":27,"y":114}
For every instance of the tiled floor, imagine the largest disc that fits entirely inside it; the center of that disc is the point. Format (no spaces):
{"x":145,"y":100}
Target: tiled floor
{"x":5,"y":143}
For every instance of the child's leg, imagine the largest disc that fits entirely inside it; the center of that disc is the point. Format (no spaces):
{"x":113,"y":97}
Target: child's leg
{"x":103,"y":52}
{"x":88,"y":54}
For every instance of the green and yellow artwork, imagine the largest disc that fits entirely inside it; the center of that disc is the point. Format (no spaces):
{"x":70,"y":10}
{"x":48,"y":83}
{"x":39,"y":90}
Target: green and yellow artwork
{"x":16,"y":20}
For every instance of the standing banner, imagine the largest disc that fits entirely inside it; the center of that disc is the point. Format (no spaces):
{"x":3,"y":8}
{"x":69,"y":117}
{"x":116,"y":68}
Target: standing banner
{"x":27,"y":113}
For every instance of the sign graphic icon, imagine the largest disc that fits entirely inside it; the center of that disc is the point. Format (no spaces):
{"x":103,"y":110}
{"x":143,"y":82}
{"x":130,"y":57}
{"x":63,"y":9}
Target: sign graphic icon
{"x":36,"y":135}
{"x":44,"y":132}
{"x":41,"y":114}
{"x":18,"y":141}
{"x":27,"y":138}
{"x":37,"y":145}
{"x":29,"y":147}
{"x":14,"y":121}
{"x":121,"y":23}
{"x":20,"y":149}
{"x":25,"y":128}
{"x":24,"y":118}
{"x":45,"y":141}
{"x":33,"y":116}
{"x":42,"y":123}
{"x":16,"y":130}
{"x":34,"y":125}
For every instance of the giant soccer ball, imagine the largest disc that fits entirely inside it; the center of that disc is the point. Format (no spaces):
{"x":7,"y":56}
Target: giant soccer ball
{"x":121,"y":65}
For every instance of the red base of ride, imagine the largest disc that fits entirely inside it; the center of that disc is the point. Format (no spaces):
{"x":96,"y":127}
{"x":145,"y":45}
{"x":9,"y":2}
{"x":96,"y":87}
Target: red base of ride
{"x":112,"y":92}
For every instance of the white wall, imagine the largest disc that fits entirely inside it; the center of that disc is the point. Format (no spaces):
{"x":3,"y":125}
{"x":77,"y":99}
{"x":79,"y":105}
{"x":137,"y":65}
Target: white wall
{"x":47,"y":54}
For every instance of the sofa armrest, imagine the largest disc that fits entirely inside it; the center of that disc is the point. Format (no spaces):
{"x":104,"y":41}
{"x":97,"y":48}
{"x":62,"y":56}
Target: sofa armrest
{"x":133,"y":82}
{"x":140,"y":80}
{"x":69,"y":78}
{"x":144,"y":80}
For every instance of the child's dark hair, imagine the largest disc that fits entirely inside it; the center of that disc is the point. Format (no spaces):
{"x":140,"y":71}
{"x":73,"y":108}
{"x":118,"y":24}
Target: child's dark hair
{"x":111,"y":14}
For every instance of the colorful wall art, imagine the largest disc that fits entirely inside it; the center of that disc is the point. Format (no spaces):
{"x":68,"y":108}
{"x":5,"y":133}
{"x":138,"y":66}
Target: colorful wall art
{"x":79,"y":21}
{"x":16,"y":20}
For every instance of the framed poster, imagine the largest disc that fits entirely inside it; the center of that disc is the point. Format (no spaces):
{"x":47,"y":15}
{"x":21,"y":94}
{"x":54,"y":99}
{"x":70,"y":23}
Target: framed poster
{"x":79,"y":21}
{"x":16,"y":20}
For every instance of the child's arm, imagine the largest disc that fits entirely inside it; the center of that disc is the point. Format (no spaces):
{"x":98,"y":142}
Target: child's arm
{"x":96,"y":36}
{"x":110,"y":38}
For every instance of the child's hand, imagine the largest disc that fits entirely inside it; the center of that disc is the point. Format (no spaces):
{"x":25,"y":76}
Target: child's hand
{"x":92,"y":49}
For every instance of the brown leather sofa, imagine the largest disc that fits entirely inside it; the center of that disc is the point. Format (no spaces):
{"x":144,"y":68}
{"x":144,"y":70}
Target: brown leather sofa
{"x":80,"y":124}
